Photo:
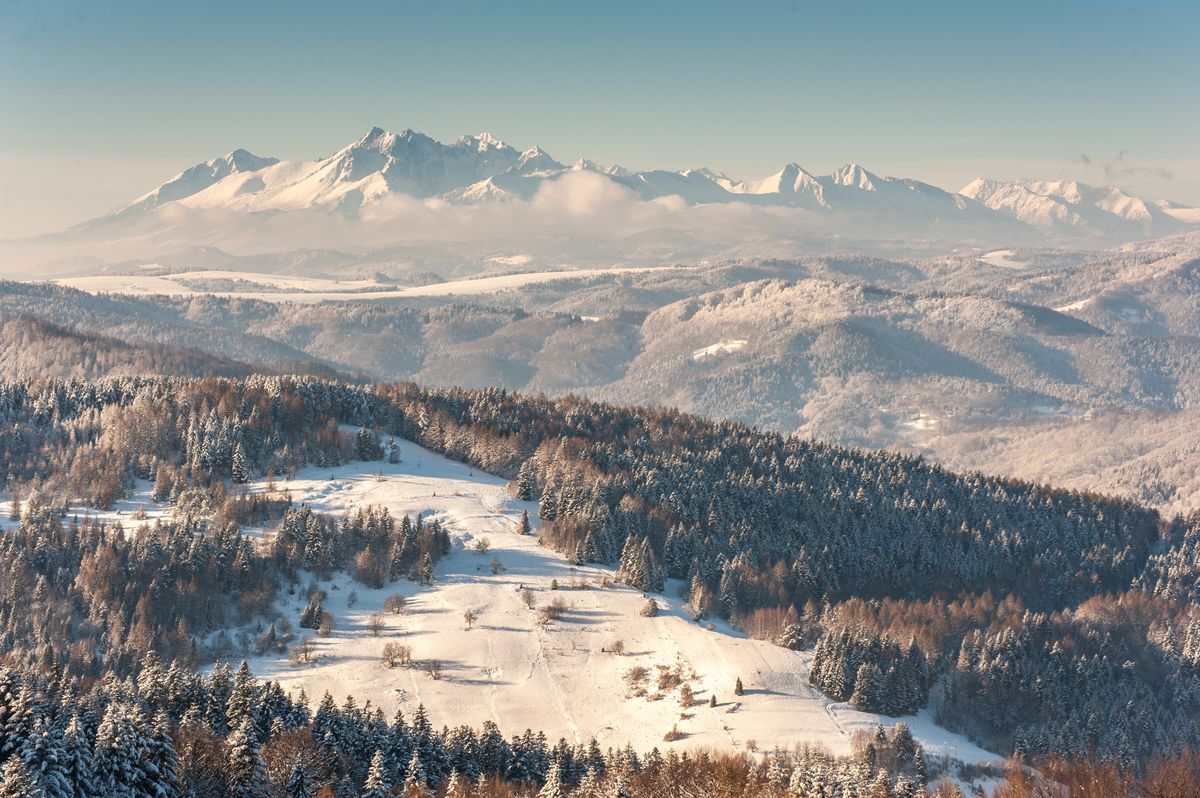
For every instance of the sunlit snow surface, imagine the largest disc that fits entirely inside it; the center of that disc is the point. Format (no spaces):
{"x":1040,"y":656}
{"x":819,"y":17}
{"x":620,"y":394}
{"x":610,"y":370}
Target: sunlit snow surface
{"x":554,"y":677}
{"x":279,"y":288}
{"x":723,"y":346}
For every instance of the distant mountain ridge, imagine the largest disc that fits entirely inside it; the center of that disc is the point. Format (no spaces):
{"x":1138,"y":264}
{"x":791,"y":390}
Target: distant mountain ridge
{"x":484,"y":169}
{"x":852,"y":203}
{"x":1068,"y":206}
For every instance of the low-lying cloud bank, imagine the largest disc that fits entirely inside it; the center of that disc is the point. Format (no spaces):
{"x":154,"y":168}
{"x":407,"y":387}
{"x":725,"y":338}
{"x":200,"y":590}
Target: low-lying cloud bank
{"x":573,"y":217}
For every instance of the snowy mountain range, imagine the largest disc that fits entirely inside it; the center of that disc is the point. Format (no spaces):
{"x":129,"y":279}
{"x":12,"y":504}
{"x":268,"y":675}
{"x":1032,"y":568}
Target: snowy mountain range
{"x":1068,"y":207}
{"x":483,"y":169}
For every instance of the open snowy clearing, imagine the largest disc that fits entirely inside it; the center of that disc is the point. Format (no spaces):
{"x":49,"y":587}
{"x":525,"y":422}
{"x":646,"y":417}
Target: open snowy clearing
{"x":130,"y":512}
{"x":560,"y":676}
{"x":1074,"y":306}
{"x":1003,"y":258}
{"x":296,"y":289}
{"x":723,"y":346}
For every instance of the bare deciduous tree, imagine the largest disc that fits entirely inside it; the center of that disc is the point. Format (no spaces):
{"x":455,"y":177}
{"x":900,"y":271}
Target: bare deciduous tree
{"x":396,"y":654}
{"x":302,"y":652}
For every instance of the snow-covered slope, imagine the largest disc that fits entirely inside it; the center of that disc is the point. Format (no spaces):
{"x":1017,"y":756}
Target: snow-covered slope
{"x":198,"y":178}
{"x":560,"y":676}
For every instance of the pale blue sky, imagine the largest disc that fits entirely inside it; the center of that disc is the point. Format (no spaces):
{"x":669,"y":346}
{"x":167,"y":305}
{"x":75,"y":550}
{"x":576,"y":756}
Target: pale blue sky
{"x":100,"y":101}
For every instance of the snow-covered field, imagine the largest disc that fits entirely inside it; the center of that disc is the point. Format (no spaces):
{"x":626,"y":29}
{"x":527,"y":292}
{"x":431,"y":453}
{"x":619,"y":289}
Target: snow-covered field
{"x":1003,"y":258}
{"x":561,"y":676}
{"x":723,"y":346}
{"x":278,"y":288}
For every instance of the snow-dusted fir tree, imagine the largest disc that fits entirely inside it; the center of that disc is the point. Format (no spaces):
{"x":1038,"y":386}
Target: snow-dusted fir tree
{"x":45,"y":760}
{"x":868,"y":688}
{"x":15,"y":781}
{"x":299,"y":783}
{"x":377,"y":785}
{"x":618,"y":786}
{"x":415,"y":778}
{"x":119,"y":751}
{"x":161,"y":761}
{"x":10,"y":724}
{"x":457,"y":786}
{"x":239,"y":468}
{"x":243,"y":697}
{"x":526,"y":485}
{"x":244,"y":766}
{"x":553,"y":788}
{"x":77,"y":759}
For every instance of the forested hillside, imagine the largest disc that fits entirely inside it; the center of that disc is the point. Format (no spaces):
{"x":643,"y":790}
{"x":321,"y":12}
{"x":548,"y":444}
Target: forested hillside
{"x":978,"y":361}
{"x":1040,"y":620}
{"x":32,"y":348}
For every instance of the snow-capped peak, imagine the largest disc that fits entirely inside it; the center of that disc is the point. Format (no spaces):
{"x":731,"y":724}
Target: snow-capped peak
{"x":585,"y":165}
{"x":244,"y":161}
{"x":198,"y":178}
{"x":536,"y":159}
{"x":854,"y":176}
{"x":979,"y":188}
{"x":1071,"y":206}
{"x":483,"y":142}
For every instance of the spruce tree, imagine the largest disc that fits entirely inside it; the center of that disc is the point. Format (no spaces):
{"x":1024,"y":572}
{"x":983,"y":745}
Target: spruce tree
{"x":904,"y":743}
{"x":457,"y":786}
{"x":244,"y":767}
{"x":243,"y":697}
{"x":77,"y":759}
{"x":553,"y":788}
{"x":415,"y":779}
{"x":299,"y":784}
{"x":238,"y":467}
{"x":377,"y":785}
{"x":161,"y":761}
{"x":118,"y":754}
{"x":526,"y":481}
{"x":868,"y":689}
{"x":10,"y":719}
{"x":15,"y":781}
{"x":45,"y":760}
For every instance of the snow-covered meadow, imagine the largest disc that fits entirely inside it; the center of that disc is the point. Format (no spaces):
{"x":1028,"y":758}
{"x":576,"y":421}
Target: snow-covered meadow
{"x":560,"y":676}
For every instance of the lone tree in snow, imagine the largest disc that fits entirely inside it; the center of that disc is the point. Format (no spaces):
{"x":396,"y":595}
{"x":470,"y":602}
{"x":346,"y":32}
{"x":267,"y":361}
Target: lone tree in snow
{"x":396,"y":654}
{"x":395,"y":604}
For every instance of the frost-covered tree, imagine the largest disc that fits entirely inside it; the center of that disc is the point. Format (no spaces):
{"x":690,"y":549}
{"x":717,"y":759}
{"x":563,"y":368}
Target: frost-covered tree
{"x":15,"y":781}
{"x":246,"y":777}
